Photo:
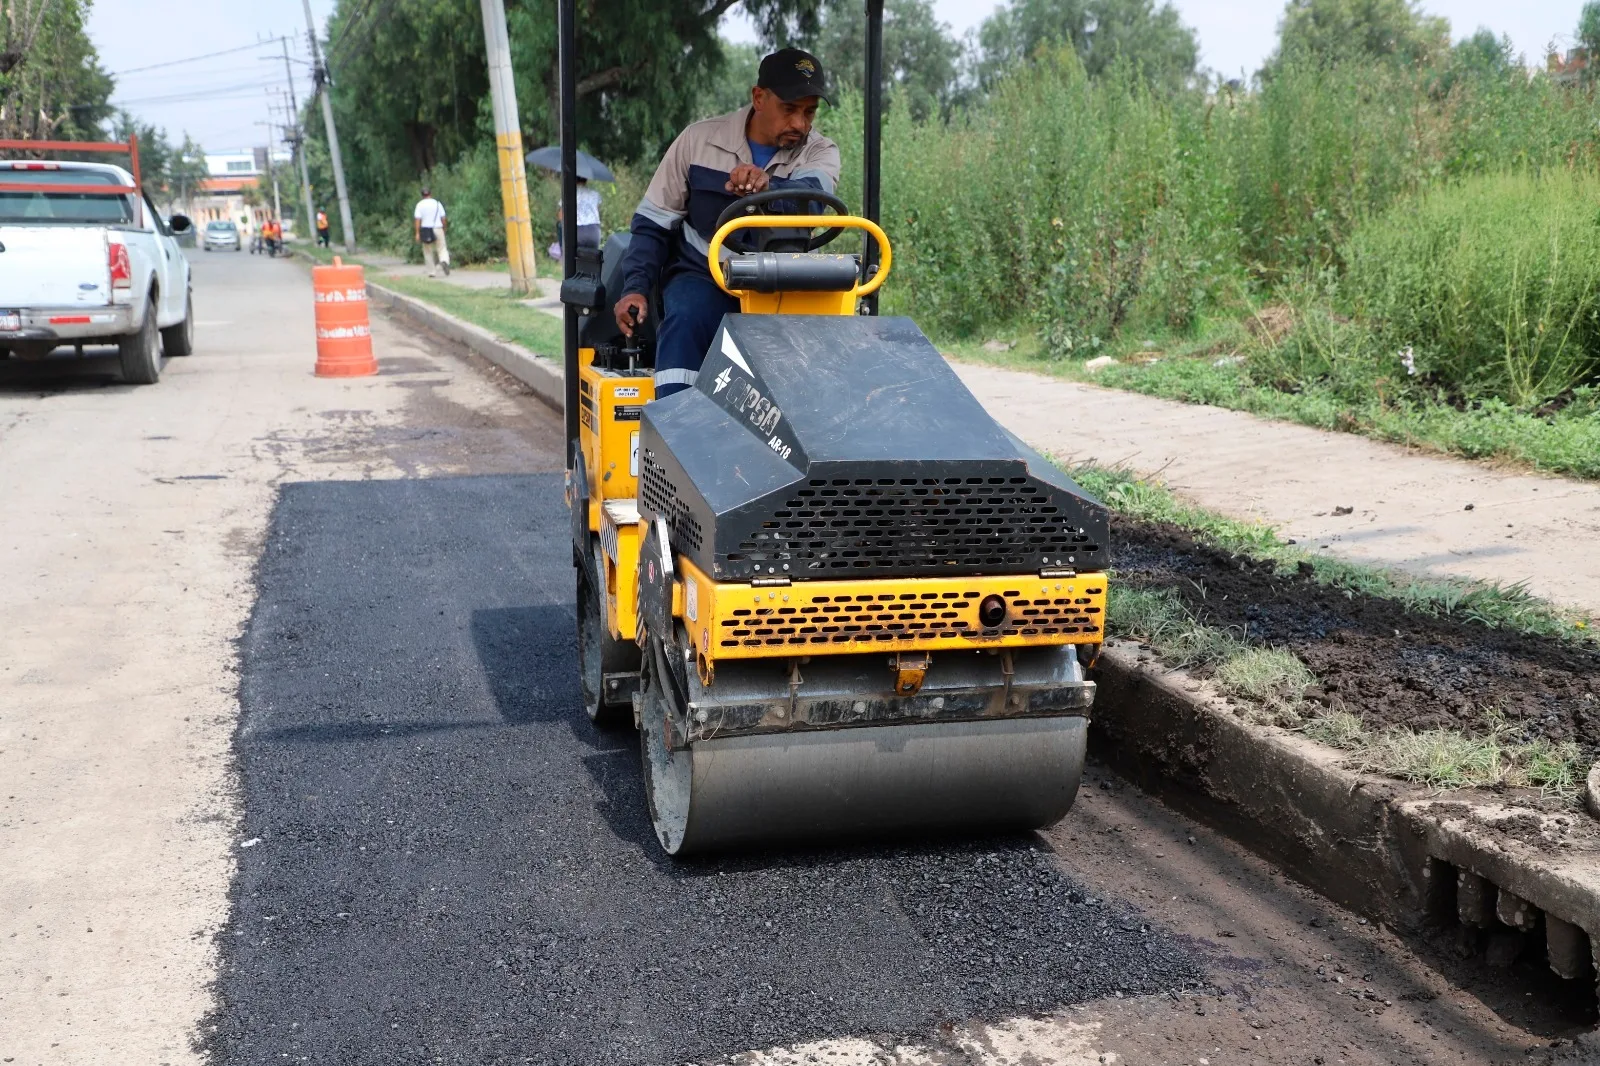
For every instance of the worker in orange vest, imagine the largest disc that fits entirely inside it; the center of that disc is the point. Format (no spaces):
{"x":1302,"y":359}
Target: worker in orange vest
{"x":322,"y":228}
{"x":272,"y":232}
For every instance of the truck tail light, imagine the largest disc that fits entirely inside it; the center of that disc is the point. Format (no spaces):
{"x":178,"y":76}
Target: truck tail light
{"x":121,"y":269}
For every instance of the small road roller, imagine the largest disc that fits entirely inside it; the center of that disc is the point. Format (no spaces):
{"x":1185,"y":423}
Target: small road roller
{"x":834,"y":597}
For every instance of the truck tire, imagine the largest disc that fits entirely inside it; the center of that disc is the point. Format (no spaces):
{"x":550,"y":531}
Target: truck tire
{"x":141,"y":351}
{"x":179,"y":339}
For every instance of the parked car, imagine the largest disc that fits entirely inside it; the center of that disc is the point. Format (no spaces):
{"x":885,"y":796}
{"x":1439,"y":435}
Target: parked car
{"x":222,"y":235}
{"x":84,"y":267}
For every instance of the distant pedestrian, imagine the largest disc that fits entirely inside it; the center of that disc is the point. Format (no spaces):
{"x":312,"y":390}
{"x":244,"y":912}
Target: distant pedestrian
{"x":322,"y":227}
{"x":588,"y":219}
{"x":272,"y":232}
{"x":427,"y":221}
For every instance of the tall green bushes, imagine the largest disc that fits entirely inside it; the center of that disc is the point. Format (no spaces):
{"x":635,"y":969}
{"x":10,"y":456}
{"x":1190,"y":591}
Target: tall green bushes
{"x":1082,"y":206}
{"x":1491,"y":285}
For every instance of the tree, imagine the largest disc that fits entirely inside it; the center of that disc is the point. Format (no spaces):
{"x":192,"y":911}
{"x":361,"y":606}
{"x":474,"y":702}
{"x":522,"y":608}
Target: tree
{"x":729,"y":87}
{"x":921,"y":60}
{"x":411,"y":92}
{"x":1337,"y":31}
{"x":1588,"y":35}
{"x":51,"y":82}
{"x":1104,"y":33}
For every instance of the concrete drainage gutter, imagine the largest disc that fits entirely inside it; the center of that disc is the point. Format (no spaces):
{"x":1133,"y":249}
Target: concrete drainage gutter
{"x":541,"y":375}
{"x":1514,"y":878}
{"x":1511,"y":878}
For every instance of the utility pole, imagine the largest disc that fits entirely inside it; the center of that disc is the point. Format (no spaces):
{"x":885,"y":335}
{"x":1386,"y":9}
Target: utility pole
{"x":299,"y":145}
{"x":272,"y":168}
{"x":508,"y":141}
{"x":321,"y":82}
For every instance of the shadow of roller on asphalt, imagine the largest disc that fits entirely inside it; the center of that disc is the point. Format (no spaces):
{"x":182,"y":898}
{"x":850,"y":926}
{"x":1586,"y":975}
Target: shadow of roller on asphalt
{"x":453,"y":865}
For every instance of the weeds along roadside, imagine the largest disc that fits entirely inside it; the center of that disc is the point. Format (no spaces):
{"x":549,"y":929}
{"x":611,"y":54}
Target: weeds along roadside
{"x":1269,"y":685}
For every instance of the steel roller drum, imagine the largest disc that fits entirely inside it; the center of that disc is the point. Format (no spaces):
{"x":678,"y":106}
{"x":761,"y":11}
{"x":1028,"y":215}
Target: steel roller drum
{"x":862,"y":781}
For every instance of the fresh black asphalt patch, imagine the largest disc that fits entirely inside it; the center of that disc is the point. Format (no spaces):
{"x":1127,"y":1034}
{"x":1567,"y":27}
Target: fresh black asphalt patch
{"x":451,"y":865}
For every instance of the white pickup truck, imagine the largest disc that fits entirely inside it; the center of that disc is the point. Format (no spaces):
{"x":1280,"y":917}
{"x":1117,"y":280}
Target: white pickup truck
{"x":84,"y":267}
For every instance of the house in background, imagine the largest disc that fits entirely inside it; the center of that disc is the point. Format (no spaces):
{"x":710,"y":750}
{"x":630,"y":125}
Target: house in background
{"x":238,"y":188}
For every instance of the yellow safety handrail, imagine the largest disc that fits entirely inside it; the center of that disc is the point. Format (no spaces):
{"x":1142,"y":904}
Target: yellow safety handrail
{"x":808,"y":222}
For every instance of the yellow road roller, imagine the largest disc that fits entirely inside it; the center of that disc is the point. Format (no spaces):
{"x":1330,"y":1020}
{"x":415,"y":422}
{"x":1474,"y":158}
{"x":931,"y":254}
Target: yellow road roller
{"x":833,"y":595}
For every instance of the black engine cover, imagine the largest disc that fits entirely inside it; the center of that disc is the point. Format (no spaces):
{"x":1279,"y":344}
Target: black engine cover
{"x":817,"y":446}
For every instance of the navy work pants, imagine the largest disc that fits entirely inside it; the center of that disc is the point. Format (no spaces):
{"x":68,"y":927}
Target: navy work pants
{"x":694,"y":309}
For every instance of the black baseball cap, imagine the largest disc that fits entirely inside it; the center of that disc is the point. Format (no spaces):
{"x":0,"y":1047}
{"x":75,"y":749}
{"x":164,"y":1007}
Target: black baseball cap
{"x":793,"y":74}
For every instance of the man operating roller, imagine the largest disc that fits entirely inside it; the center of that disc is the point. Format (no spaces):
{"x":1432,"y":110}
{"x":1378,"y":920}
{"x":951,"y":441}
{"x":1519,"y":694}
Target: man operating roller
{"x":767,"y":145}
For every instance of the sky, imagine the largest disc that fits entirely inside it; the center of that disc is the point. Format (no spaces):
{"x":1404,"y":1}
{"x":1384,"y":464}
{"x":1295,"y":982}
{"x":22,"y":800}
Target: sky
{"x":221,"y":100}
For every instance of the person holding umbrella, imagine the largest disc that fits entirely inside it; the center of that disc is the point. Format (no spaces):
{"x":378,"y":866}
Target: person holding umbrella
{"x":588,"y":216}
{"x":589,"y":169}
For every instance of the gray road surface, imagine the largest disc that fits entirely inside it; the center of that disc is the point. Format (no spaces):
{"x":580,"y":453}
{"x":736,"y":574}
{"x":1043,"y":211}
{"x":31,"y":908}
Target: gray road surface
{"x":378,"y":829}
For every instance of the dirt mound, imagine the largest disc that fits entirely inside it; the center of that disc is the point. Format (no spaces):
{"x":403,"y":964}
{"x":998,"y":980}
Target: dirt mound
{"x":1392,"y":667}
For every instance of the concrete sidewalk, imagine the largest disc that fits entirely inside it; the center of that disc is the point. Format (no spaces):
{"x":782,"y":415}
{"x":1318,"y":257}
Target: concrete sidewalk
{"x":1336,"y":493}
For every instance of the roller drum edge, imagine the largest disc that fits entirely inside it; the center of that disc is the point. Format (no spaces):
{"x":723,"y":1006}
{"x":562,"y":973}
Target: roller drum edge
{"x":864,"y":781}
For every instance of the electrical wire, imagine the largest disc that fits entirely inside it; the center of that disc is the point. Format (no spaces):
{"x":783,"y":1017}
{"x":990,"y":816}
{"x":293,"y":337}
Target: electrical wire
{"x":195,"y":59}
{"x":200,"y":94}
{"x":350,"y":24}
{"x":366,"y":36}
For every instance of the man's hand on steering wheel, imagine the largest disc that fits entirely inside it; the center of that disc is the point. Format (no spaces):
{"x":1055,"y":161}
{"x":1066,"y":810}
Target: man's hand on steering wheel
{"x":747,"y":178}
{"x":638,"y":305}
{"x":763,"y":203}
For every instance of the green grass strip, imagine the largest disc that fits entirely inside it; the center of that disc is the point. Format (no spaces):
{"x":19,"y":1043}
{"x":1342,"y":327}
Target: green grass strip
{"x":498,"y":311}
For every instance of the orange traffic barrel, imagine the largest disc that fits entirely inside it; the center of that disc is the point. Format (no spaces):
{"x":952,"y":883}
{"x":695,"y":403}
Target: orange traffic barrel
{"x":344,"y":333}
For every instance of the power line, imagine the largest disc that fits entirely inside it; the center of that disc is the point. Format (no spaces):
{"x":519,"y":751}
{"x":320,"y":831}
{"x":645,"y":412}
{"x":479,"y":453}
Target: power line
{"x":365,"y":35}
{"x":350,"y":24}
{"x":195,"y":59}
{"x":205,"y":94}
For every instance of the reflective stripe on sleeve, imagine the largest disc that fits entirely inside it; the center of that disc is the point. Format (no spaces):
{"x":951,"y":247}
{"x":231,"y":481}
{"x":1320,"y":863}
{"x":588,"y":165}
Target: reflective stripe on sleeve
{"x":659,"y":215}
{"x":676,"y":377}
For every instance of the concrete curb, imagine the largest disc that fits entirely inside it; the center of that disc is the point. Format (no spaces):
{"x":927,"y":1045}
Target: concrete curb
{"x":1401,"y":854}
{"x":541,"y":375}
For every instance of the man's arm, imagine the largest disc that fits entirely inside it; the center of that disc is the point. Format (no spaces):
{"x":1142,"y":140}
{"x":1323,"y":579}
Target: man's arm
{"x":658,"y":214}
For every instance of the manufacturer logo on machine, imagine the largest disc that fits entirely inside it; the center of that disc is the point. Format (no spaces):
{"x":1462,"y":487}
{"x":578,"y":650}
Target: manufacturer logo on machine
{"x":747,"y":400}
{"x":744,"y":398}
{"x":731,"y":350}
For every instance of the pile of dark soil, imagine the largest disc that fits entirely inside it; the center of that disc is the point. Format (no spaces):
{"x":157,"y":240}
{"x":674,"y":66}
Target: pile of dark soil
{"x":1369,"y":655}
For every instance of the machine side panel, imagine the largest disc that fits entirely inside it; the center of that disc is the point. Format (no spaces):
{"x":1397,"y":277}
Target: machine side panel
{"x":696,"y":465}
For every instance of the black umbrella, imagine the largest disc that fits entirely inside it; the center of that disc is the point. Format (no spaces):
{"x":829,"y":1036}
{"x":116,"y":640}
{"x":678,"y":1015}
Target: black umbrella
{"x":589,"y":168}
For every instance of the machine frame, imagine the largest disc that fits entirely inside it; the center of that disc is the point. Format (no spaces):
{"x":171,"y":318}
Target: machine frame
{"x":719,"y":674}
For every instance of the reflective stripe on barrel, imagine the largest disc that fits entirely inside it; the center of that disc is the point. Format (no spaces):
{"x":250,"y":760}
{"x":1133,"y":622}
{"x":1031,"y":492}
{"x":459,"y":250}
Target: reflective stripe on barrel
{"x":344,"y":332}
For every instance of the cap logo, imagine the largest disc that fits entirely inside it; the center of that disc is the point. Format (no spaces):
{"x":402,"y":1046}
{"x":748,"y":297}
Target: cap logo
{"x":806,"y":67}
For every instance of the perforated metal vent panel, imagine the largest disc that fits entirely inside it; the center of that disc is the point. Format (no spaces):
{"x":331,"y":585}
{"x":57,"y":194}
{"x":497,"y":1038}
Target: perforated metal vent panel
{"x":830,"y":528}
{"x":660,"y":495}
{"x":933,"y":613}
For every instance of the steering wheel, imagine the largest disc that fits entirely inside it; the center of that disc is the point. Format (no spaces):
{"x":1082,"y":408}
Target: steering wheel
{"x":747,"y":241}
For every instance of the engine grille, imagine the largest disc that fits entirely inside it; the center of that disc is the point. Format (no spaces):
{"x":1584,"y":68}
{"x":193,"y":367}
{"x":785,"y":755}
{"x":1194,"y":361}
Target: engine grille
{"x":660,"y":495}
{"x":836,"y":527}
{"x":927,"y":618}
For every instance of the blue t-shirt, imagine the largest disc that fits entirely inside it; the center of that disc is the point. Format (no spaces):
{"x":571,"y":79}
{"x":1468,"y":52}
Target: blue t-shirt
{"x":762,"y":153}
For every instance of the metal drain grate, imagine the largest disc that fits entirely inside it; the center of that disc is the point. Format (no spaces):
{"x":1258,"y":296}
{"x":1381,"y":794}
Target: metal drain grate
{"x":845,"y":525}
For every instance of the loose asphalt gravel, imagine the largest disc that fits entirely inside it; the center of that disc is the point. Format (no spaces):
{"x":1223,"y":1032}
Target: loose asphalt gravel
{"x":440,"y":859}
